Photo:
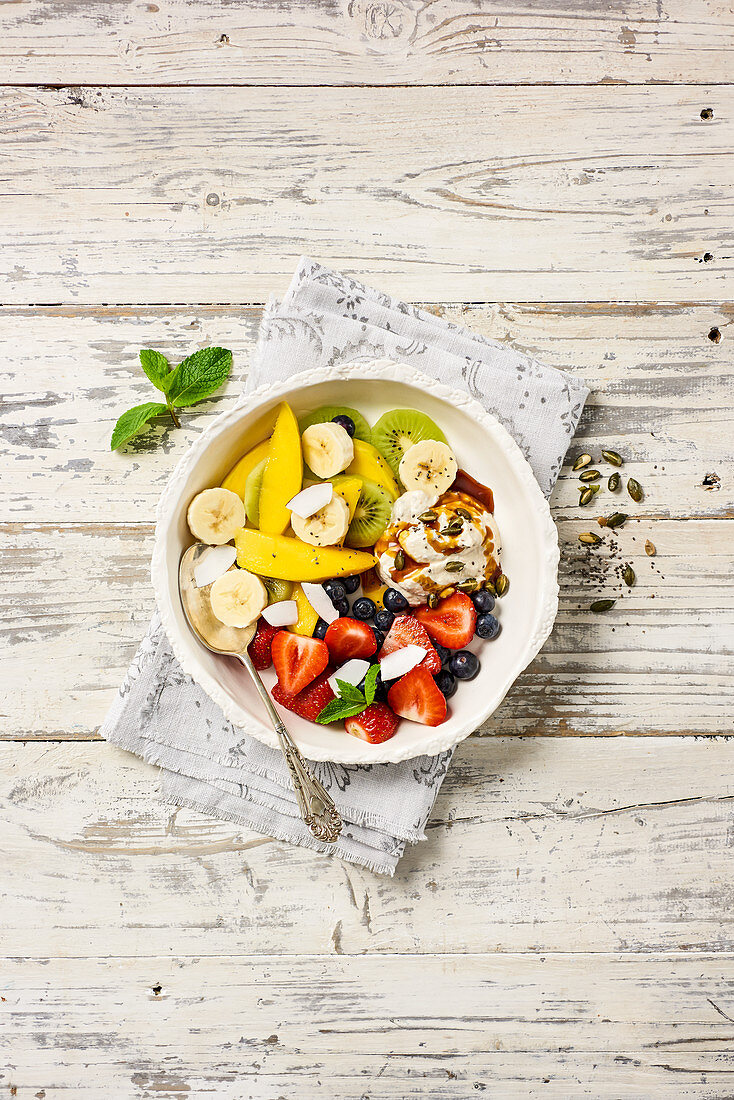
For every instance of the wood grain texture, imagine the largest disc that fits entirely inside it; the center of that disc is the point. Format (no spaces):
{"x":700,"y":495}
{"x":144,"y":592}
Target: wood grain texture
{"x":334,"y":42}
{"x":447,"y":194}
{"x":535,"y":845}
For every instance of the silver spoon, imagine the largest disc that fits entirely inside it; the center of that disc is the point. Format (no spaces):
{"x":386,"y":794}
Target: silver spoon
{"x":315,"y":804}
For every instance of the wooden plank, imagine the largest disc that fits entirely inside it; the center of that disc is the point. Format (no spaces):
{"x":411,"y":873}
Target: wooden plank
{"x":390,"y":1027}
{"x":534,"y":845}
{"x":181,"y":195}
{"x":403,"y":42}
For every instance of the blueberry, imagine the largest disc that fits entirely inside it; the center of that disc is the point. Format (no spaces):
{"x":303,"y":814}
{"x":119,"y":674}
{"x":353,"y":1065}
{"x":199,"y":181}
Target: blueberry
{"x":379,"y":638}
{"x":341,"y":605}
{"x":488,"y":626}
{"x":319,"y":631}
{"x":483,"y":600}
{"x":464,"y":665}
{"x":346,"y":422}
{"x":363,"y":608}
{"x":384,"y":620}
{"x":335,"y":590}
{"x":394,"y":601}
{"x":446,"y":683}
{"x":351,"y":584}
{"x":443,"y":652}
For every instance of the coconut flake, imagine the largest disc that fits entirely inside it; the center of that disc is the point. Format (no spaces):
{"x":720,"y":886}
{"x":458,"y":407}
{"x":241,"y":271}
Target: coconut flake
{"x":310,"y":501}
{"x":283,"y":613}
{"x":352,"y":672}
{"x":401,"y":661}
{"x":213,"y":563}
{"x":320,"y":602}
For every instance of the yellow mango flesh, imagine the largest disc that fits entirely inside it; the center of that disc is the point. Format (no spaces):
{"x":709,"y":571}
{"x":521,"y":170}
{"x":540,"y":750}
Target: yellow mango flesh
{"x":348,"y":488}
{"x":289,"y":559}
{"x":373,"y":587}
{"x":283,"y":474}
{"x":237,"y":476}
{"x":368,"y":463}
{"x":307,"y":617}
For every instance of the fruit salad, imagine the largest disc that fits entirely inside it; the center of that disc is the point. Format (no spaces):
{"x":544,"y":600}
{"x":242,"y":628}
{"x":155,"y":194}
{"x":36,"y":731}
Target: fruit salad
{"x":363,"y":562}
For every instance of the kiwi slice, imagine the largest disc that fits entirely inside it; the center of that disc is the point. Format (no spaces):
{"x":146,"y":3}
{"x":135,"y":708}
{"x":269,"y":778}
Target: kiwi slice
{"x":399,"y":429}
{"x":370,"y":516}
{"x":277,"y":590}
{"x":252,"y":492}
{"x":362,"y":429}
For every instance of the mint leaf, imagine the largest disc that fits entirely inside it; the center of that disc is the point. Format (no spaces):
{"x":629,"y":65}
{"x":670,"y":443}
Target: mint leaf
{"x":370,"y":683}
{"x":133,"y":420}
{"x":156,"y":367}
{"x":199,"y":376}
{"x":349,"y":693}
{"x":337,"y":709}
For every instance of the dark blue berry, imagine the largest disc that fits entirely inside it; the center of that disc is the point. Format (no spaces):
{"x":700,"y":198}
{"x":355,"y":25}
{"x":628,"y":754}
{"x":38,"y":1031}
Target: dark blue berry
{"x":488,"y":626}
{"x":346,"y":422}
{"x":351,"y":584}
{"x":341,"y":605}
{"x":319,"y":631}
{"x":335,"y":590}
{"x":379,"y":638}
{"x":380,"y":689}
{"x":443,"y":652}
{"x":394,"y":601}
{"x":363,"y":608}
{"x":464,"y":665}
{"x":384,"y":620}
{"x":483,"y":600}
{"x":446,"y":683}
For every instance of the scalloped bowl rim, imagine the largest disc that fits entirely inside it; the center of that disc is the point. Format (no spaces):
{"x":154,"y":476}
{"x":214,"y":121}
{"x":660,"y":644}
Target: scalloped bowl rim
{"x":356,"y":751}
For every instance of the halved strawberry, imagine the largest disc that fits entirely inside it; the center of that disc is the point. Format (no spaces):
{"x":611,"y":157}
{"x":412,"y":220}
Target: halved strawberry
{"x":261,"y":646}
{"x":416,"y":696}
{"x":308,"y":703}
{"x":406,"y":631}
{"x":451,"y":622}
{"x":375,"y":724}
{"x":349,"y":638}
{"x":298,"y":660}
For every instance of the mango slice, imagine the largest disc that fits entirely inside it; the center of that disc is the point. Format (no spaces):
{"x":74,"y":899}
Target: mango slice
{"x":368,"y":463}
{"x":348,"y":489}
{"x":373,"y":587}
{"x":288,"y":559}
{"x":283,"y":474}
{"x":238,"y":475}
{"x":307,"y":617}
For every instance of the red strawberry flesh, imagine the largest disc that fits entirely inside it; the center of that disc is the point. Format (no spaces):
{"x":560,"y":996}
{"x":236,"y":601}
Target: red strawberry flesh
{"x":404,"y":631}
{"x":416,"y":696}
{"x":298,"y":660}
{"x":307,"y":703}
{"x":376,"y":724}
{"x":261,"y":646}
{"x":451,"y":623}
{"x":348,"y":638}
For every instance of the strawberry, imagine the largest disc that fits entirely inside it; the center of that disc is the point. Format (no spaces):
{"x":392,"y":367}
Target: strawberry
{"x":375,"y":724}
{"x":298,"y":660}
{"x":261,"y":646}
{"x":349,"y":638}
{"x":416,"y":696}
{"x":451,"y":622}
{"x":406,"y":631}
{"x":308,"y":703}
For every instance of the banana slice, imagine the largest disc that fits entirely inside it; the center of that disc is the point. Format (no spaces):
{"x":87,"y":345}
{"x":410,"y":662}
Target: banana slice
{"x":238,"y":597}
{"x":327,"y":526}
{"x":327,"y":449}
{"x":430,"y":466}
{"x":215,"y":515}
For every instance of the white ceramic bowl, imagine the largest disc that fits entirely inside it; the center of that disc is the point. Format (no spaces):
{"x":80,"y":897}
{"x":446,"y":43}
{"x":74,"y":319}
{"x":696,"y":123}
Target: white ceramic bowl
{"x":483,"y":448}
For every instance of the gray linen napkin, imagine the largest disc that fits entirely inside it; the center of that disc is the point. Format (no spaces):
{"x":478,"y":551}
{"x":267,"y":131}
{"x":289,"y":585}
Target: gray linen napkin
{"x":163,"y":716}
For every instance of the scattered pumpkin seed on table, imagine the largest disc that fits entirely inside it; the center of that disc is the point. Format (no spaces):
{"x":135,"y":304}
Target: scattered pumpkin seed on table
{"x":590,"y":475}
{"x":602,"y":605}
{"x":612,"y":458}
{"x":581,"y":461}
{"x":589,"y":538}
{"x":613,"y":483}
{"x":635,"y":490}
{"x":617,"y":519}
{"x":587,"y":494}
{"x":628,"y":575}
{"x":650,"y":549}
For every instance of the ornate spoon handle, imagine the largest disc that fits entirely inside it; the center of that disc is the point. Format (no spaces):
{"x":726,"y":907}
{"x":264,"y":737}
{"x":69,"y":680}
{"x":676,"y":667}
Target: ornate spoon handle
{"x":315,"y":804}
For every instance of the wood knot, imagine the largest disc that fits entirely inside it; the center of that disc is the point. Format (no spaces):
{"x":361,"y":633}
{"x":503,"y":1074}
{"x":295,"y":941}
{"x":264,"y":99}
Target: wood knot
{"x":715,"y":335}
{"x":707,"y":113}
{"x":387,"y":24}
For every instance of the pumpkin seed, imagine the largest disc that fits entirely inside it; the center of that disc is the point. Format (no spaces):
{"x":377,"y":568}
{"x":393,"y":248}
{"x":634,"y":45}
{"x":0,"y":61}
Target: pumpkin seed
{"x":581,"y":461}
{"x":463,"y":513}
{"x":650,"y":549}
{"x":612,"y":458}
{"x":628,"y":575}
{"x":433,"y":601}
{"x":635,"y":490}
{"x":617,"y":519}
{"x":602,"y":605}
{"x":587,"y":494}
{"x":399,"y":560}
{"x":489,"y":587}
{"x":427,"y":517}
{"x":590,"y":538}
{"x":502,"y":584}
{"x":595,"y":488}
{"x":454,"y":566}
{"x":613,"y":483}
{"x":469,"y":585}
{"x":589,"y":475}
{"x":453,"y":528}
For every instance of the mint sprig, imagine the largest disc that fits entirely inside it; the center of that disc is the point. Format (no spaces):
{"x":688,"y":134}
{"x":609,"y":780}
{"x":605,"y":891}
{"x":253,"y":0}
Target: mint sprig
{"x":350,"y":700}
{"x":193,"y":380}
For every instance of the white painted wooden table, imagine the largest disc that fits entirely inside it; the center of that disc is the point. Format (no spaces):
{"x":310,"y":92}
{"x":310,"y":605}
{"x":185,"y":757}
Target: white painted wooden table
{"x":558,"y":177}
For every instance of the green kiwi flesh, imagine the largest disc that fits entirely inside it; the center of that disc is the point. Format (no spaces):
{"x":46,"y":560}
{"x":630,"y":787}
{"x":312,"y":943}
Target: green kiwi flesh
{"x":371,"y":516}
{"x":362,"y":429}
{"x":399,"y":429}
{"x":277,"y":590}
{"x":252,"y":492}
